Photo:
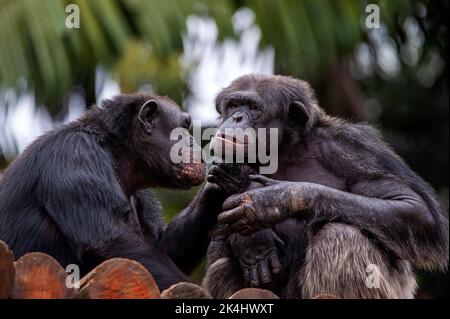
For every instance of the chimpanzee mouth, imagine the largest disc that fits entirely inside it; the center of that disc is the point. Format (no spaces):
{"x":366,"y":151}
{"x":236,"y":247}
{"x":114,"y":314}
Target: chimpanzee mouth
{"x":232,"y":139}
{"x":191,"y":174}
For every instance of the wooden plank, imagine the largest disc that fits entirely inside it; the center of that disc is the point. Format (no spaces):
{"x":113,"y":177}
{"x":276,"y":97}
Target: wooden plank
{"x":39,"y":276}
{"x":326,"y":296}
{"x":7,"y":271}
{"x":119,"y":278}
{"x":254,"y":293}
{"x":185,"y":290}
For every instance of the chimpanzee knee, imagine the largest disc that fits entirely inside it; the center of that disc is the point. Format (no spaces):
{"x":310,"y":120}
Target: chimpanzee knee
{"x":341,"y":261}
{"x":221,"y":280}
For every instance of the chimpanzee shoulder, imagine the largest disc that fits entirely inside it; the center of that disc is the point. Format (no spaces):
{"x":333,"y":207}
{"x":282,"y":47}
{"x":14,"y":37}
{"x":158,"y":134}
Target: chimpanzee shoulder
{"x":357,"y":152}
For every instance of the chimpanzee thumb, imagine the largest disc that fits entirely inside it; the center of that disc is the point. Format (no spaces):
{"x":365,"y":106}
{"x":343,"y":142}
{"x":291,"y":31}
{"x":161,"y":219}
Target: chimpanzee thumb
{"x":266,"y":181}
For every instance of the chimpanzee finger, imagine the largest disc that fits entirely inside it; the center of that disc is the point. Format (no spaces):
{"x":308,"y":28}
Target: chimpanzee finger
{"x":219,"y":232}
{"x":214,"y":170}
{"x":231,"y":216}
{"x":238,"y":227}
{"x":247,"y":231}
{"x":232,"y":202}
{"x":266,"y":181}
{"x":246,"y":273}
{"x":264,"y":272}
{"x":223,"y":171}
{"x":254,"y":278}
{"x":228,"y":167}
{"x":275,"y":264}
{"x":278,"y":241}
{"x":212,"y":179}
{"x":223,"y":232}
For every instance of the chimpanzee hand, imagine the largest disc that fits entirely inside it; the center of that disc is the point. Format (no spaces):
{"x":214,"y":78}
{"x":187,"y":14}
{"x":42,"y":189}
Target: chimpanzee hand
{"x":258,"y":256}
{"x":260,"y":208}
{"x":231,"y":178}
{"x":218,"y":247}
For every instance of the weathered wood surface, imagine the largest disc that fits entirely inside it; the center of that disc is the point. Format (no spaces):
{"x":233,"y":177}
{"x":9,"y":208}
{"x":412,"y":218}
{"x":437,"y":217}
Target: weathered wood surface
{"x":39,"y":276}
{"x":185,"y":290}
{"x":119,"y":278}
{"x":7,"y":271}
{"x":254,"y":293}
{"x":326,"y":296}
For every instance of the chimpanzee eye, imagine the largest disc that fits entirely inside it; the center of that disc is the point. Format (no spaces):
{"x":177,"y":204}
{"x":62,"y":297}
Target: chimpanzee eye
{"x":232,"y":105}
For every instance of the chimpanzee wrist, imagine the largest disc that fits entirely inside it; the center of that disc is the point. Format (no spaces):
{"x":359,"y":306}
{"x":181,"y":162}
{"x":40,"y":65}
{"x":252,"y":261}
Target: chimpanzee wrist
{"x":299,"y":199}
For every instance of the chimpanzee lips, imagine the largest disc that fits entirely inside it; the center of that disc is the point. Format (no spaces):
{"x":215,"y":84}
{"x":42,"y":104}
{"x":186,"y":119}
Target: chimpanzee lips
{"x":193,"y":173}
{"x":230,"y":139}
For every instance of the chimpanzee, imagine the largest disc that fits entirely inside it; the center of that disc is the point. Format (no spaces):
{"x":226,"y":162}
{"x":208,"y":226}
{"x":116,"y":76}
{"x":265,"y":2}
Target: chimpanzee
{"x":79,"y":192}
{"x":342,"y":215}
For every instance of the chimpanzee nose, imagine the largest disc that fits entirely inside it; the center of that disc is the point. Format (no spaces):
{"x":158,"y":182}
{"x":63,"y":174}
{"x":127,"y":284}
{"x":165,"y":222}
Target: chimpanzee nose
{"x":237,"y":118}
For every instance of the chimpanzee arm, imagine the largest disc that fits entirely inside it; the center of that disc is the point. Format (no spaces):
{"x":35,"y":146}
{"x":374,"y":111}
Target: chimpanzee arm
{"x":149,"y":213}
{"x":386,"y":210}
{"x":186,"y":237}
{"x":82,"y":197}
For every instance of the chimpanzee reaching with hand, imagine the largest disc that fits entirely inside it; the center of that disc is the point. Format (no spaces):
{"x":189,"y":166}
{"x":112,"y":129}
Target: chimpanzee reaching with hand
{"x":343,"y":204}
{"x":79,"y":192}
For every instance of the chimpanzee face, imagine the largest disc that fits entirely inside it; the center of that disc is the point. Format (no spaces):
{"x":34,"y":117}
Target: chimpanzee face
{"x":264,"y":104}
{"x":242,"y":114}
{"x":158,"y":117}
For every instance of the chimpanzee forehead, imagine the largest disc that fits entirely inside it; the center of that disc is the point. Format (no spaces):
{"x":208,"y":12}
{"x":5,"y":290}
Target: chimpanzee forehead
{"x":164,"y":101}
{"x":257,"y":82}
{"x":168,"y":101}
{"x":171,"y":109}
{"x":244,"y":95}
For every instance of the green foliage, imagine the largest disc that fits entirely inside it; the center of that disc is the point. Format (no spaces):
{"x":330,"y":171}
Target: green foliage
{"x":38,"y":48}
{"x":138,"y":66}
{"x":140,"y":43}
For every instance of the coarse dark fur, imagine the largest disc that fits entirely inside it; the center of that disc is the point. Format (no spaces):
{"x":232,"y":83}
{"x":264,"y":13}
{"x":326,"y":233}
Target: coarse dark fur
{"x":367,"y":207}
{"x":79,"y":192}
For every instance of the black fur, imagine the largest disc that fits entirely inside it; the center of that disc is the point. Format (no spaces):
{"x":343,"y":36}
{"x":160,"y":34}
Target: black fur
{"x":78,"y":192}
{"x":329,"y":171}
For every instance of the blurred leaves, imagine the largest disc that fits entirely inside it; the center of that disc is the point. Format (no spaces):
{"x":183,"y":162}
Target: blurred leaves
{"x":39,"y":50}
{"x":140,"y":43}
{"x":310,"y":35}
{"x":138,"y":67}
{"x":37,"y":47}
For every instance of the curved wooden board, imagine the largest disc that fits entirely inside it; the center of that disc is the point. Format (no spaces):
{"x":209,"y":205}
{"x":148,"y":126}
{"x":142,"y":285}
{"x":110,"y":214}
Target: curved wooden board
{"x":326,"y":296}
{"x":119,"y":278}
{"x":39,"y":276}
{"x":185,"y":290}
{"x":7,"y":271}
{"x":254,"y":293}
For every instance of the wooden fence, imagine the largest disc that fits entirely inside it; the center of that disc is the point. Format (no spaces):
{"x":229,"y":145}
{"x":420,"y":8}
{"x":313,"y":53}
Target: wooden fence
{"x":39,"y":276}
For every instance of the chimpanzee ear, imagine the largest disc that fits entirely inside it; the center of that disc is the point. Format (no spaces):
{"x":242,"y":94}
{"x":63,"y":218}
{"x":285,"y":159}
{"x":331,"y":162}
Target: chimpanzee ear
{"x":298,"y":114}
{"x":146,"y":114}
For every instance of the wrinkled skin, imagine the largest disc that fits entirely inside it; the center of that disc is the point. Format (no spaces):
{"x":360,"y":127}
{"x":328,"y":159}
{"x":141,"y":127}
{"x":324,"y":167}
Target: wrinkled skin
{"x":335,"y":180}
{"x":231,"y":178}
{"x":257,"y":209}
{"x":258,"y":254}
